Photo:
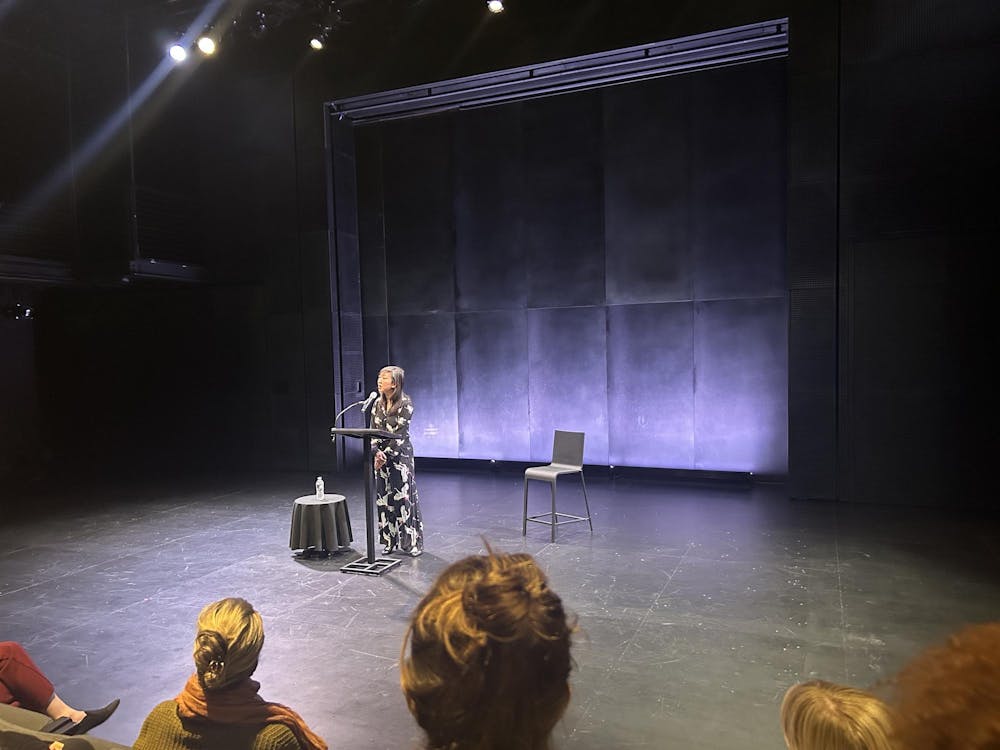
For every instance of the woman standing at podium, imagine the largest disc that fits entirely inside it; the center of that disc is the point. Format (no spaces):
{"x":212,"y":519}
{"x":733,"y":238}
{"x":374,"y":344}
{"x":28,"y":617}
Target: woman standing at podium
{"x":399,"y":524}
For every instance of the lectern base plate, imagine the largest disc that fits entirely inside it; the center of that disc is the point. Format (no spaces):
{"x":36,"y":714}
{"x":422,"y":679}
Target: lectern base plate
{"x":377,"y":568}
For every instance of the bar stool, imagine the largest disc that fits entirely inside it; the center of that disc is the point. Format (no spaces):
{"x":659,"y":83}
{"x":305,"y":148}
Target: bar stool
{"x":567,"y":458}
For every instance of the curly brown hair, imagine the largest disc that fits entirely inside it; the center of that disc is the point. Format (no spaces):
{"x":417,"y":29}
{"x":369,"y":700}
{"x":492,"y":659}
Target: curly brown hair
{"x":948,"y":698}
{"x":489,"y":656}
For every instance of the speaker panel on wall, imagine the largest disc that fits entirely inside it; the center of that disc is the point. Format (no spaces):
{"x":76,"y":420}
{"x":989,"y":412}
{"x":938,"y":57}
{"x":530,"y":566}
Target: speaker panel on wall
{"x":491,"y":269}
{"x":567,"y":379}
{"x":741,"y":388}
{"x":647,"y":192}
{"x":651,"y":385}
{"x":738,"y":182}
{"x":564,"y":200}
{"x":419,"y":224}
{"x":492,"y":350}
{"x":424,"y":346}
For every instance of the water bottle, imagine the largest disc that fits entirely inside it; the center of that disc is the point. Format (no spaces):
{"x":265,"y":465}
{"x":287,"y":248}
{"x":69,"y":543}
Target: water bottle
{"x":319,"y":488}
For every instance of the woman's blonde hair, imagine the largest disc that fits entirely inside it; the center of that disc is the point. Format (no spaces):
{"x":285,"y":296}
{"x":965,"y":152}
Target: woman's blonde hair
{"x":489,"y":656}
{"x":228,"y":642}
{"x":820,"y":715}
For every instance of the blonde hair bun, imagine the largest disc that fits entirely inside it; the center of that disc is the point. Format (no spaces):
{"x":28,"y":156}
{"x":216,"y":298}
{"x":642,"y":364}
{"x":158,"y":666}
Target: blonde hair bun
{"x":228,"y":642}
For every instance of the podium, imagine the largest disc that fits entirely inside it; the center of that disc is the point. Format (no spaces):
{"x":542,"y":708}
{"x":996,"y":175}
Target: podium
{"x":371,"y":565}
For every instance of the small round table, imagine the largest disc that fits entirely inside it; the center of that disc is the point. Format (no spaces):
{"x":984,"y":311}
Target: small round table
{"x":320,"y":526}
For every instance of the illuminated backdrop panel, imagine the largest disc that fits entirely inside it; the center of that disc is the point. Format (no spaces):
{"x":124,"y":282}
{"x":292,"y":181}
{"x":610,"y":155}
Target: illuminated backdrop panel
{"x":492,"y":363}
{"x":568,"y":384}
{"x":741,"y":382}
{"x":424,"y":346}
{"x":610,"y":261}
{"x":651,"y":379}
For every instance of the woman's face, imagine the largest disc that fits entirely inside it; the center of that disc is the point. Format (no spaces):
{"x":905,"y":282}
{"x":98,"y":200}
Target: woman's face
{"x":385,"y":385}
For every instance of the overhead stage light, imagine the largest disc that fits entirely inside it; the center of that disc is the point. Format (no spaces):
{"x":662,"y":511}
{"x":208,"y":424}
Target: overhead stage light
{"x":206,"y":45}
{"x":18,"y":311}
{"x":494,"y":6}
{"x":320,"y":38}
{"x":178,"y":53}
{"x":259,"y":26}
{"x":324,"y":27}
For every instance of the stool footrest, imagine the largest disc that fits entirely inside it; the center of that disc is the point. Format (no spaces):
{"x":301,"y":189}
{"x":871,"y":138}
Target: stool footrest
{"x":546,"y":518}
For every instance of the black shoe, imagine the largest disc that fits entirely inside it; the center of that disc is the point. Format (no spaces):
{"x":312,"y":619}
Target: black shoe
{"x":93,"y":718}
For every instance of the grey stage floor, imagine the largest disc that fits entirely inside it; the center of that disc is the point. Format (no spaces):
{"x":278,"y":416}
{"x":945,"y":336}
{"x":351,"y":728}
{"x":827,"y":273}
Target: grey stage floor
{"x":697,"y":604}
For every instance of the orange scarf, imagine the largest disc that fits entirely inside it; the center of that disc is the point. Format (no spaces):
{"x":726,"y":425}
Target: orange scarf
{"x":240,"y":704}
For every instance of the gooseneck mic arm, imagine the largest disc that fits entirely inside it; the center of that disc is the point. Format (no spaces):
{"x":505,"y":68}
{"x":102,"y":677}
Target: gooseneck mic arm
{"x":363,"y":404}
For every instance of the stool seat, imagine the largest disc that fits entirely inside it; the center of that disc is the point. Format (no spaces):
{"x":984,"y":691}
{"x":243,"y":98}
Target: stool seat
{"x":319,"y":524}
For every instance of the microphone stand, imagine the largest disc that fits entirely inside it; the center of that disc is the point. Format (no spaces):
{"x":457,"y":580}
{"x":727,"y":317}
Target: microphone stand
{"x":364,"y":403}
{"x":346,"y":409}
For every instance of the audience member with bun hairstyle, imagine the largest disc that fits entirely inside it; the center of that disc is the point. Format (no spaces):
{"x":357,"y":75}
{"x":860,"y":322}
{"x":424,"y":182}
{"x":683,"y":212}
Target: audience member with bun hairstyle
{"x":820,"y":715}
{"x":219,"y":708}
{"x":486,"y":658}
{"x":948,"y":697}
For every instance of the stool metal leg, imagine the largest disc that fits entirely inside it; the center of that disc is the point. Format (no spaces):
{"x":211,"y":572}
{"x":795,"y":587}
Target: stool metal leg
{"x":524,"y":518}
{"x":554,"y":519}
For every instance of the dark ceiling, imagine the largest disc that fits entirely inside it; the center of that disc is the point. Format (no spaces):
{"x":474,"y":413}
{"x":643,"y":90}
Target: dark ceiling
{"x":405,"y":41}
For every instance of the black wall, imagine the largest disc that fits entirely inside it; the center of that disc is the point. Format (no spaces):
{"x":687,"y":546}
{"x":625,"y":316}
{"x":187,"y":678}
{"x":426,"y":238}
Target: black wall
{"x":136,"y":374}
{"x":918,"y":164}
{"x":20,"y":441}
{"x":890,"y":116}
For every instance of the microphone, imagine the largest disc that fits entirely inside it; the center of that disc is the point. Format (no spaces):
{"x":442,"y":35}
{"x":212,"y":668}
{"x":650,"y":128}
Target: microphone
{"x":370,"y":400}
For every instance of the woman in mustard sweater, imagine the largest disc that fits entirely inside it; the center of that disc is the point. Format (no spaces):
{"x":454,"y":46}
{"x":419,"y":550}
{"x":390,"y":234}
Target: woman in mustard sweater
{"x":219,"y":708}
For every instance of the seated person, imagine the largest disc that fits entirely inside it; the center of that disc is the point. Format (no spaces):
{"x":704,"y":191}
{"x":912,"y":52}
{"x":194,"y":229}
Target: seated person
{"x":820,"y":715}
{"x":23,"y":684}
{"x":489,"y":656}
{"x":948,"y":697}
{"x":219,"y":707}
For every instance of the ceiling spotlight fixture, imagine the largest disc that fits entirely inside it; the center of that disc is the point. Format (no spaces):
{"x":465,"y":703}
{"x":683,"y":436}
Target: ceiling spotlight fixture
{"x":320,"y":38}
{"x":494,"y":6}
{"x":206,"y":45}
{"x":18,"y":311}
{"x":208,"y":41}
{"x":178,"y":53}
{"x":331,"y":18}
{"x":258,"y":27}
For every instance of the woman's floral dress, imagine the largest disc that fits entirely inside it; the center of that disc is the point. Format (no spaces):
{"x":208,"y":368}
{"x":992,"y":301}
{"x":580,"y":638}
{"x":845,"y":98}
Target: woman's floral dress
{"x":396,"y":502}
